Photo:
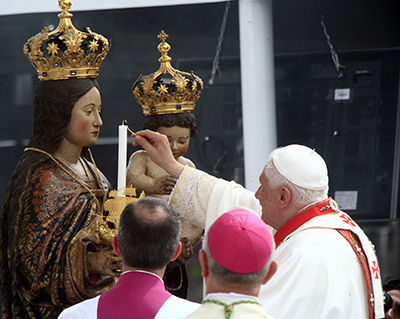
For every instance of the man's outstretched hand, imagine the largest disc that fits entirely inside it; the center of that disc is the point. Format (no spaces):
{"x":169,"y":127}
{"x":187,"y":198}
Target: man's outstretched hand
{"x":157,"y":147}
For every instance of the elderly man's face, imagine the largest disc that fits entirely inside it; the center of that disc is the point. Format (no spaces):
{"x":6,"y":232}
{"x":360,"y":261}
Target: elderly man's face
{"x":269,"y":200}
{"x":394,"y":312}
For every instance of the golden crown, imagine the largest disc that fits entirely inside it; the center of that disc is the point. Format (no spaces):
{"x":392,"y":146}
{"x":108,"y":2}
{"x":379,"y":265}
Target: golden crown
{"x":70,"y":53}
{"x":167,"y":91}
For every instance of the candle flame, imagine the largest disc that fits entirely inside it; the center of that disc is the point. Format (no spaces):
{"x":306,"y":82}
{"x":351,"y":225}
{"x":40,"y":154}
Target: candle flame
{"x":126,"y":123}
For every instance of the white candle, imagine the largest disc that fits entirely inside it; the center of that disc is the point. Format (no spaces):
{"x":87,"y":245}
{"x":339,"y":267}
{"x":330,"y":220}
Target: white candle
{"x":122,"y":146}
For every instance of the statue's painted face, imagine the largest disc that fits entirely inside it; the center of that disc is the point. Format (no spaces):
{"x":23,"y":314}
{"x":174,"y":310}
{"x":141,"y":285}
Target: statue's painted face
{"x":178,"y":137}
{"x":84,"y":127}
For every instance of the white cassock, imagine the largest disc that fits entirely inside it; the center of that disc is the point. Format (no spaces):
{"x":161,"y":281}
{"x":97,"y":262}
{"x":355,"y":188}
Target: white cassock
{"x":319,"y":274}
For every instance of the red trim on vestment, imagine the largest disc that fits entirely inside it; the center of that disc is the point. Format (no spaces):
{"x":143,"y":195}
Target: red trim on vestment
{"x":355,"y":244}
{"x":318,"y":209}
{"x":325,"y":207}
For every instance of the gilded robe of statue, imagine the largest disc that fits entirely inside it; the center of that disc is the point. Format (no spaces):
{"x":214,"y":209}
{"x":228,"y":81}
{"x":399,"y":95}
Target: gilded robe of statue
{"x":51,"y":232}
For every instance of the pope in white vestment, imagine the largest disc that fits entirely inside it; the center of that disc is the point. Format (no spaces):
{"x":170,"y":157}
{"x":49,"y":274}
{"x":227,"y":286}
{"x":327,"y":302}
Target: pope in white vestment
{"x":319,"y":275}
{"x":327,"y":267}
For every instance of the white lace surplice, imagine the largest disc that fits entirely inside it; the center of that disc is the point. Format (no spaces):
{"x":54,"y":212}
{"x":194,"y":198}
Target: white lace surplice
{"x":201,"y":198}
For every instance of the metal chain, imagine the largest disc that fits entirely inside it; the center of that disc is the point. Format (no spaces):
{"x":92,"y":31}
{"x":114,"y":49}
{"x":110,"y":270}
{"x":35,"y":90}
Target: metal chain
{"x":219,"y":45}
{"x":334,"y":54}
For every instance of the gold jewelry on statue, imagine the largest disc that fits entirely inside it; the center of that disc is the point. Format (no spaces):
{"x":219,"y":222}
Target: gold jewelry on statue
{"x":74,"y":169}
{"x":72,"y":175}
{"x":114,"y":205}
{"x":167,"y":91}
{"x":66,"y":52}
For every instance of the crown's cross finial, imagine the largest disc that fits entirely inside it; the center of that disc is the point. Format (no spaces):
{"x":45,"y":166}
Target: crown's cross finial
{"x":65,"y":16}
{"x":163,"y":47}
{"x":163,"y":36}
{"x":65,"y":5}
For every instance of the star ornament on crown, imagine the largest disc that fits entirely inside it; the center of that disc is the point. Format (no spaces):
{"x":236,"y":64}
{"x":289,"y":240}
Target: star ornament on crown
{"x":167,"y":91}
{"x":66,"y":52}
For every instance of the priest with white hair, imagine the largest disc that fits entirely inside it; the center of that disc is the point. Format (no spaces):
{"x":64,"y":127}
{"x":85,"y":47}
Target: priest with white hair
{"x":328,"y":268}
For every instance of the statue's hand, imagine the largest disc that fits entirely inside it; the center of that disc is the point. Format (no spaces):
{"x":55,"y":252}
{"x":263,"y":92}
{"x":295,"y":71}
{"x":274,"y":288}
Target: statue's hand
{"x":105,"y":262}
{"x":164,"y":185}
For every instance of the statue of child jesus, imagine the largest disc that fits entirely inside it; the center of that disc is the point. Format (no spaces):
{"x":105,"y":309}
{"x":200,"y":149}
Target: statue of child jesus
{"x":167,"y":98}
{"x":143,"y":173}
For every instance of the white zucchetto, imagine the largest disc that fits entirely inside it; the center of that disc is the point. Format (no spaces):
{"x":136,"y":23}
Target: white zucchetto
{"x":302,"y":166}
